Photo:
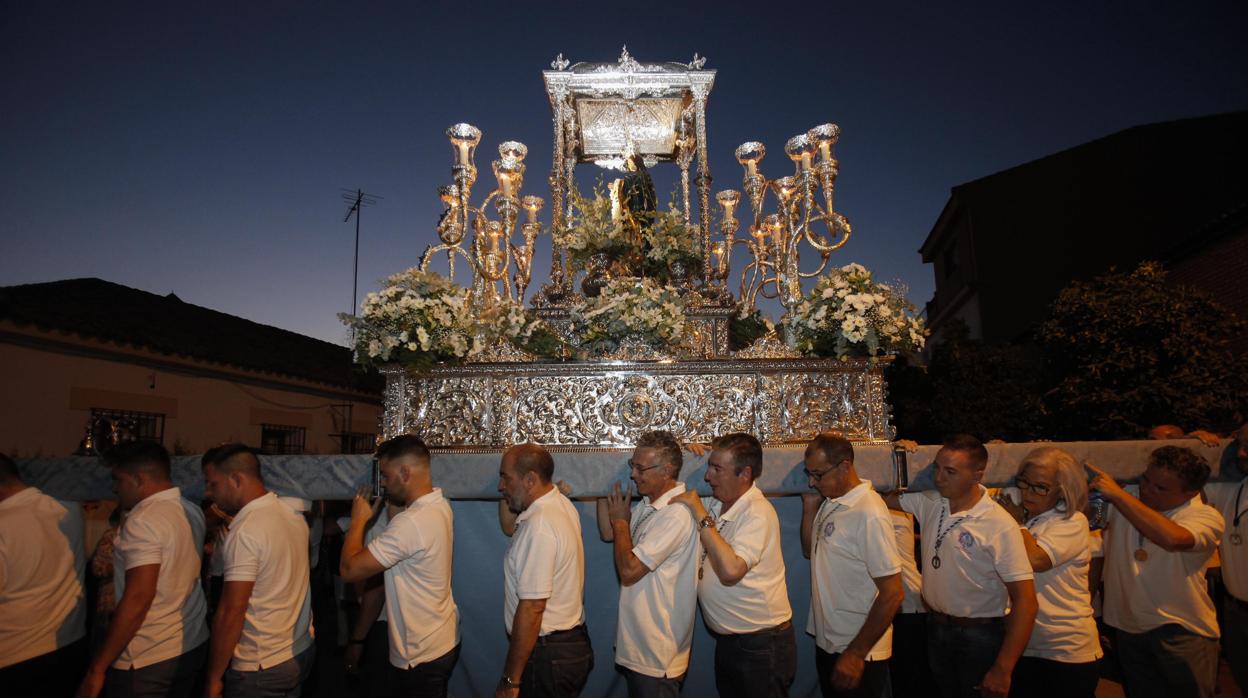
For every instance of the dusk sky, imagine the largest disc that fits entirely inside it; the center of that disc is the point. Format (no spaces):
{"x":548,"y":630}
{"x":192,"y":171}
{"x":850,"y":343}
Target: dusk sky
{"x":200,"y":148}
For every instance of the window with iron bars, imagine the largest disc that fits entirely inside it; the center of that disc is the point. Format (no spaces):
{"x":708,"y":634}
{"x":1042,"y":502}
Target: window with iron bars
{"x":118,"y":426}
{"x":278,"y":439}
{"x":357,"y":442}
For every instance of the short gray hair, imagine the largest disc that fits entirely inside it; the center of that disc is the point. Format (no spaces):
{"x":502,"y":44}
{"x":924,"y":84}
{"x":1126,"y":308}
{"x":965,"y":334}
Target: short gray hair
{"x":668,"y":447}
{"x":1072,"y":483}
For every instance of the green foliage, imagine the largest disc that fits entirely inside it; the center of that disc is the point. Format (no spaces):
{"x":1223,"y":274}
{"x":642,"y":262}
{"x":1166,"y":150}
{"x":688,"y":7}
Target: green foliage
{"x":1130,"y":351}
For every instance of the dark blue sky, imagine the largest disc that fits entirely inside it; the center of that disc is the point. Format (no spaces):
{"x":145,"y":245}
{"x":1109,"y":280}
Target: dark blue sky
{"x":200,"y":150}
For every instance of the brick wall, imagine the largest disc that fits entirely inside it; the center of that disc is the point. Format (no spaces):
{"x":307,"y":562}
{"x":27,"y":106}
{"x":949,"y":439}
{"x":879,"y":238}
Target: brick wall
{"x":1221,"y":269}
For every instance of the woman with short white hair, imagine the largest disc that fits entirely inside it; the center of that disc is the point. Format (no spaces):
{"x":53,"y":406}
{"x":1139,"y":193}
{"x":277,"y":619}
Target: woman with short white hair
{"x":1062,"y":656}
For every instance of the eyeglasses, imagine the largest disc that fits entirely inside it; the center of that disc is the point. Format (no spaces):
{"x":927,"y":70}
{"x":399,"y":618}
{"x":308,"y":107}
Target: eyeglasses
{"x":1041,"y":490}
{"x":817,"y":475}
{"x":641,"y":469}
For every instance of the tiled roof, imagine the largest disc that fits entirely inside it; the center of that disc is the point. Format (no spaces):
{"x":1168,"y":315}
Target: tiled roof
{"x":107,"y":311}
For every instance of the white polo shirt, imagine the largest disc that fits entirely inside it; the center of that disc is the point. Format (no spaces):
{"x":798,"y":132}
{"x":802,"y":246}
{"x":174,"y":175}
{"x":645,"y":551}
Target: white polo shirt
{"x":268,"y":544}
{"x":42,"y":560}
{"x":978,"y":555}
{"x":1065,"y":630}
{"x":163,"y":529}
{"x":546,"y":547}
{"x":1222,"y":496}
{"x":760,"y":600}
{"x":911,"y":579}
{"x":1167,"y":587}
{"x":852,"y":544}
{"x":416,"y":549}
{"x":655,"y":628}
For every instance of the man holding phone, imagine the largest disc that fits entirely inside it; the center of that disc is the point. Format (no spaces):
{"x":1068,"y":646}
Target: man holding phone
{"x":413,"y":555}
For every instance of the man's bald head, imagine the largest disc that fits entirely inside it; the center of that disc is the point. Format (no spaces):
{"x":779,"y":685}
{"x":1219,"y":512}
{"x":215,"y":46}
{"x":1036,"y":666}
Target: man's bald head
{"x":531,"y":458}
{"x":1165,"y":432}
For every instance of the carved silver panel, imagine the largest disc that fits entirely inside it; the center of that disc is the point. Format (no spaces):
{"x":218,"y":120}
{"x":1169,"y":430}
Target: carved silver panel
{"x":608,"y":124}
{"x":608,"y":404}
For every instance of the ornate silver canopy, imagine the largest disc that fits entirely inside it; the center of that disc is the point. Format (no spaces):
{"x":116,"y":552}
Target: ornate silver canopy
{"x":601,"y":109}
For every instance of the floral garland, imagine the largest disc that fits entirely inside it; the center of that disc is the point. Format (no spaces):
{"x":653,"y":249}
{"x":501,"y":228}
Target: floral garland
{"x":629,"y":308}
{"x":849,"y":314}
{"x":421,"y":318}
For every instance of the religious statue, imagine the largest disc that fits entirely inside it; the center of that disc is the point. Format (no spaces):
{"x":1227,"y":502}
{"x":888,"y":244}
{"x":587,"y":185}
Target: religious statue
{"x":638,"y":202}
{"x":634,"y":204}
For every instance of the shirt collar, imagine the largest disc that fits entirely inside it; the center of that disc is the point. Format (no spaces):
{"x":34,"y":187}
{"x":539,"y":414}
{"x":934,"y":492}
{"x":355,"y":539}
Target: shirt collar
{"x":740,"y":505}
{"x":258,"y":503}
{"x":539,"y":502}
{"x":1191,"y":502}
{"x":166,"y":494}
{"x":983,"y":506}
{"x":425,"y":499}
{"x":853,"y":495}
{"x":666,"y":498}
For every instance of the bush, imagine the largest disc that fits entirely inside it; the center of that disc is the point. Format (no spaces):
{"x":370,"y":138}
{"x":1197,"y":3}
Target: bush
{"x":1129,"y":351}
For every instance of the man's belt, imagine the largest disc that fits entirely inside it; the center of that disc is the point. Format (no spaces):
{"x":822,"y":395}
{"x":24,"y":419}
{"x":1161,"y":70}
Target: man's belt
{"x":958,"y":621}
{"x":560,"y":635}
{"x":773,"y":629}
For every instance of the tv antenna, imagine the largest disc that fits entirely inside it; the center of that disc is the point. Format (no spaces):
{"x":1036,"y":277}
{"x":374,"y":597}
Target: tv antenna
{"x":357,"y":199}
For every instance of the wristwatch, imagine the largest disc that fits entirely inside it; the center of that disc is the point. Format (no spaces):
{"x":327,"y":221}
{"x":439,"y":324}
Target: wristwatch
{"x":507,"y":682}
{"x":706,"y":522}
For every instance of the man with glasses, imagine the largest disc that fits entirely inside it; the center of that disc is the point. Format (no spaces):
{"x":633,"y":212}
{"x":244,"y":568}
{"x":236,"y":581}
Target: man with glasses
{"x":855,"y":572}
{"x":975,"y":567}
{"x":656,"y":553}
{"x":741,"y":584}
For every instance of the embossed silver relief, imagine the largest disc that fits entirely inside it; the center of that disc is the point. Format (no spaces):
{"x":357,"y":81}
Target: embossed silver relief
{"x":608,"y":404}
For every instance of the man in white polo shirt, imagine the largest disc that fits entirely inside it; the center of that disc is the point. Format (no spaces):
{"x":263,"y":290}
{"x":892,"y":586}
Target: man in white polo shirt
{"x":656,"y":556}
{"x":43,"y":608}
{"x":741,"y":584}
{"x":855,"y":572}
{"x":1157,"y":547}
{"x":548,"y":649}
{"x":975,"y":564}
{"x":1231,"y":499}
{"x":414,"y":554}
{"x":157,"y":639}
{"x":263,"y":628}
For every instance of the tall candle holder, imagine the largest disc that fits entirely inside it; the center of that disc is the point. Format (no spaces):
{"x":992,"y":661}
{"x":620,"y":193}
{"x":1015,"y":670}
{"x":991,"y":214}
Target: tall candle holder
{"x":500,"y":268}
{"x":804,"y":201}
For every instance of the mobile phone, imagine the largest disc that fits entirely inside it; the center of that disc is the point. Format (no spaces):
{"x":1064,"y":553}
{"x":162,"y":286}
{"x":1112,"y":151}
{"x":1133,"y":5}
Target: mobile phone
{"x":376,"y":489}
{"x":901,"y":467}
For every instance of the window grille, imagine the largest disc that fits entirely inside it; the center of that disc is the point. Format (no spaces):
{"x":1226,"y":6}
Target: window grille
{"x":277,"y":439}
{"x":127,"y":425}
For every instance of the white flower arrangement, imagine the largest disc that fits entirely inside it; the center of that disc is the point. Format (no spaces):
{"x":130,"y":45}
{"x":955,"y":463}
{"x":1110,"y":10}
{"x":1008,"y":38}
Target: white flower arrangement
{"x":417,"y":317}
{"x":629,"y":308}
{"x":670,"y":240}
{"x":591,"y":229}
{"x":422,"y":318}
{"x":847,"y":313}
